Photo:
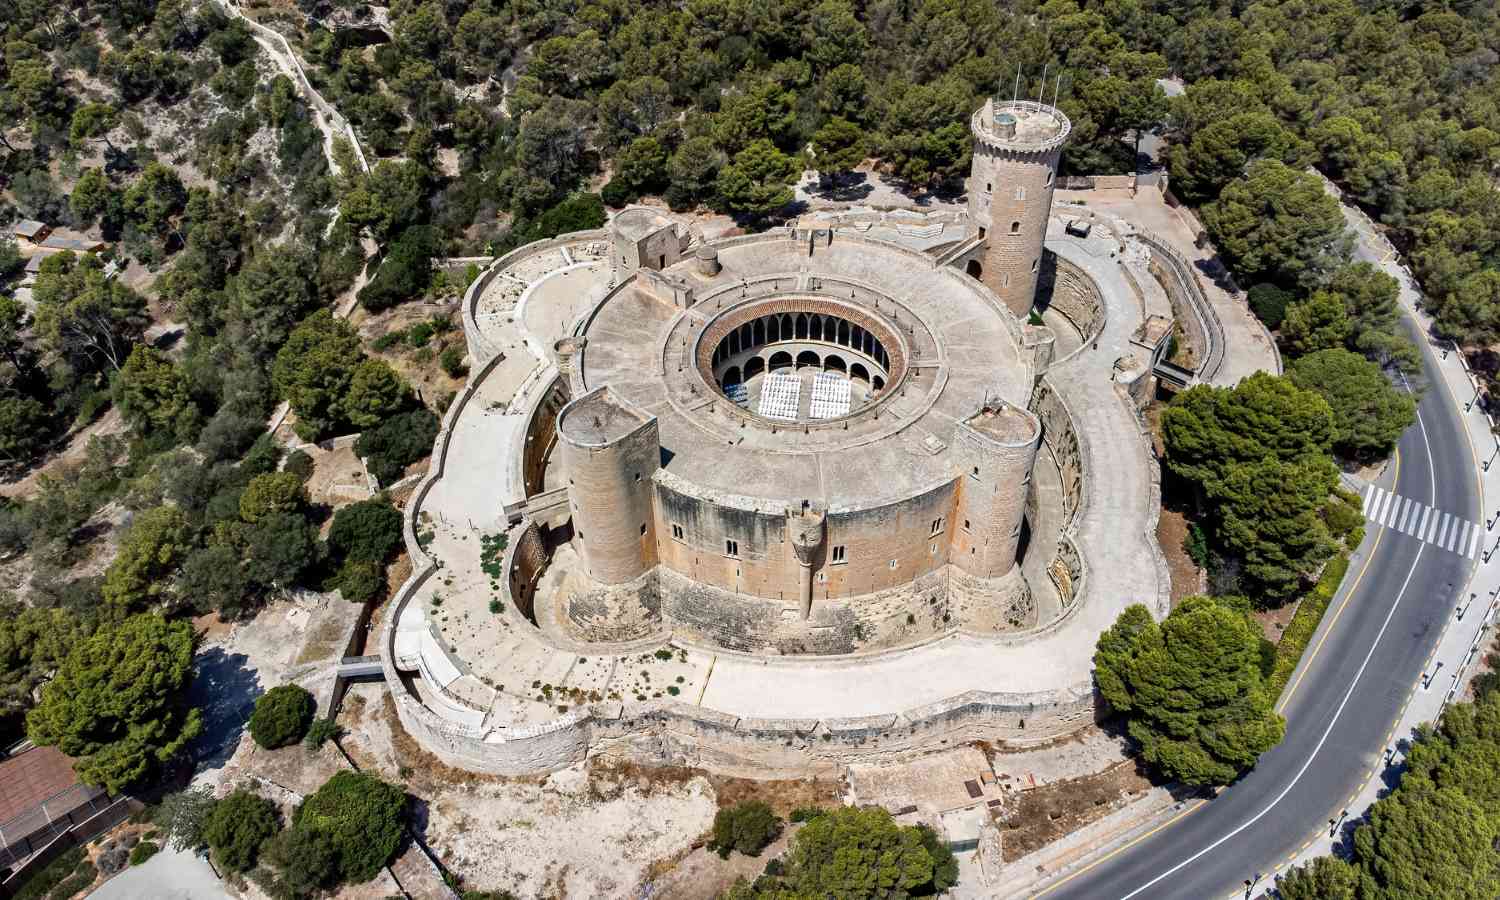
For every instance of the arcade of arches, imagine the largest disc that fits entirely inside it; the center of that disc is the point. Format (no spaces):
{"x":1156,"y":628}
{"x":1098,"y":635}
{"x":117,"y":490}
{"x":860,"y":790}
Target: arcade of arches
{"x":800,"y":341}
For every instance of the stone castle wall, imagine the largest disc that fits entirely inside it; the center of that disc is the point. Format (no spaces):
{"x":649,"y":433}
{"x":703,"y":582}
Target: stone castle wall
{"x":1073,"y":294}
{"x":541,"y":435}
{"x":700,"y":614}
{"x":883,"y":547}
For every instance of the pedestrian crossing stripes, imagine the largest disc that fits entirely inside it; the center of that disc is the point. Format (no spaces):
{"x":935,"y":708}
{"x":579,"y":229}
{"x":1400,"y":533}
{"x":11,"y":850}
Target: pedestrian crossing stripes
{"x":1412,"y":517}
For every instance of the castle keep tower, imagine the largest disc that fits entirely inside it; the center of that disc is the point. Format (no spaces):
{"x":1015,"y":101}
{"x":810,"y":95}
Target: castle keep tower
{"x":1017,"y":145}
{"x":609,"y":452}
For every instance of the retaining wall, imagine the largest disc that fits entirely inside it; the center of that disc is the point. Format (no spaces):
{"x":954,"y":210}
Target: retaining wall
{"x":1190,"y":307}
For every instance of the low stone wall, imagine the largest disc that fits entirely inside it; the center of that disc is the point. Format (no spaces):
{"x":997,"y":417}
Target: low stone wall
{"x":1194,"y":314}
{"x":479,"y":347}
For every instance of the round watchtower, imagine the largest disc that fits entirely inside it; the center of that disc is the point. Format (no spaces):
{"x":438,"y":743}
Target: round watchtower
{"x":1017,"y":145}
{"x":609,"y":452}
{"x":996,"y":449}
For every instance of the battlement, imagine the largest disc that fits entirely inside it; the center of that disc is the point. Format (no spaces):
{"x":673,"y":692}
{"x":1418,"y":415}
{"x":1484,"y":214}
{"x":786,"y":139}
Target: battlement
{"x":1020,"y":126}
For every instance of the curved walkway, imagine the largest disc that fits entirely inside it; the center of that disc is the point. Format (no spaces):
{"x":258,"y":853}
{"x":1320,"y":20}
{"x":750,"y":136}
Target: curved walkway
{"x":1248,"y":346}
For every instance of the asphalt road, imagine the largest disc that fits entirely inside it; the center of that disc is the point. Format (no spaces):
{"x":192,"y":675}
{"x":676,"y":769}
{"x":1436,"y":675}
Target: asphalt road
{"x":1372,"y":646}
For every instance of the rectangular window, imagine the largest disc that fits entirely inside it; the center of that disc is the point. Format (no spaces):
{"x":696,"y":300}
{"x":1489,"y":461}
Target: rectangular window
{"x":676,"y":532}
{"x":937,"y":526}
{"x":1021,"y":193}
{"x":966,"y":524}
{"x":893,"y":564}
{"x":731,"y":548}
{"x":643,"y":528}
{"x":638,"y":478}
{"x":932,"y":550}
{"x":838,"y":554}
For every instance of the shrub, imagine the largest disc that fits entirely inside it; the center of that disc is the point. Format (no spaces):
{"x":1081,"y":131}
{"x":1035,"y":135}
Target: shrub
{"x":860,"y":854}
{"x":1269,"y":303}
{"x":397,"y":443}
{"x":805,"y":813}
{"x":452,"y":361}
{"x":300,"y":464}
{"x":389,"y":339}
{"x":419,"y":334}
{"x":745,"y":827}
{"x":274,"y":492}
{"x":577,"y":213}
{"x":361,"y":817}
{"x":143,"y":851}
{"x":1304,"y":622}
{"x":361,"y":581}
{"x":303,"y":860}
{"x":281,"y":716}
{"x":237,"y":827}
{"x":405,"y":272}
{"x":51,"y":875}
{"x":322,"y":731}
{"x":367,"y":531}
{"x":617,"y":194}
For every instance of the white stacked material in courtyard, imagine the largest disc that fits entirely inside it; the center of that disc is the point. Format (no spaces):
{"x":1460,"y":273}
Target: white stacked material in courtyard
{"x":780,"y":394}
{"x":830,"y":396}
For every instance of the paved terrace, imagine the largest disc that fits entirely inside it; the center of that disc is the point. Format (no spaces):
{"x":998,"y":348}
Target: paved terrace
{"x":962,"y":353}
{"x":504,"y":673}
{"x":1249,"y":347}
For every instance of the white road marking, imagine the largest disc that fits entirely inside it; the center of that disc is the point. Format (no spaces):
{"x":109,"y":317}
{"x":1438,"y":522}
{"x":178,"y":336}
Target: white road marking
{"x":1422,"y":529}
{"x":1371,"y":494}
{"x":1385,"y":506}
{"x":1454,"y":538}
{"x":1323,"y":738}
{"x":1443,"y":535}
{"x":1474,"y":543}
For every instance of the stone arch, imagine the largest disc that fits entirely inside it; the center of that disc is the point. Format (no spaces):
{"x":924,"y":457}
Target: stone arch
{"x":801,"y":326}
{"x":1015,"y":227}
{"x":834,"y":363}
{"x":858,"y":372}
{"x":732,"y":376}
{"x":808,"y":358}
{"x":779,"y":360}
{"x":786,"y":327}
{"x":974,"y":269}
{"x":734,"y":342}
{"x":815,"y":328}
{"x":843,"y":340}
{"x":753,"y":367}
{"x":758,"y":333}
{"x":877,"y":383}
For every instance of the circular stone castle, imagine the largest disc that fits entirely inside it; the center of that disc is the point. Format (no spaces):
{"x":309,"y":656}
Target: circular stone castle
{"x":870,"y":482}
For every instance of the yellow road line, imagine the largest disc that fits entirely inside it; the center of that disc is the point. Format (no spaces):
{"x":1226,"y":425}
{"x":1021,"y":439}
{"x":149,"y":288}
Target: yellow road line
{"x":1121,"y":849}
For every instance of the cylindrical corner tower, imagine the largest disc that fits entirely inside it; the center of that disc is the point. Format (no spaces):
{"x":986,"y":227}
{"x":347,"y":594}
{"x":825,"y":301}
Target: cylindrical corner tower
{"x":609,"y":452}
{"x":1017,"y":145}
{"x":996,"y":447}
